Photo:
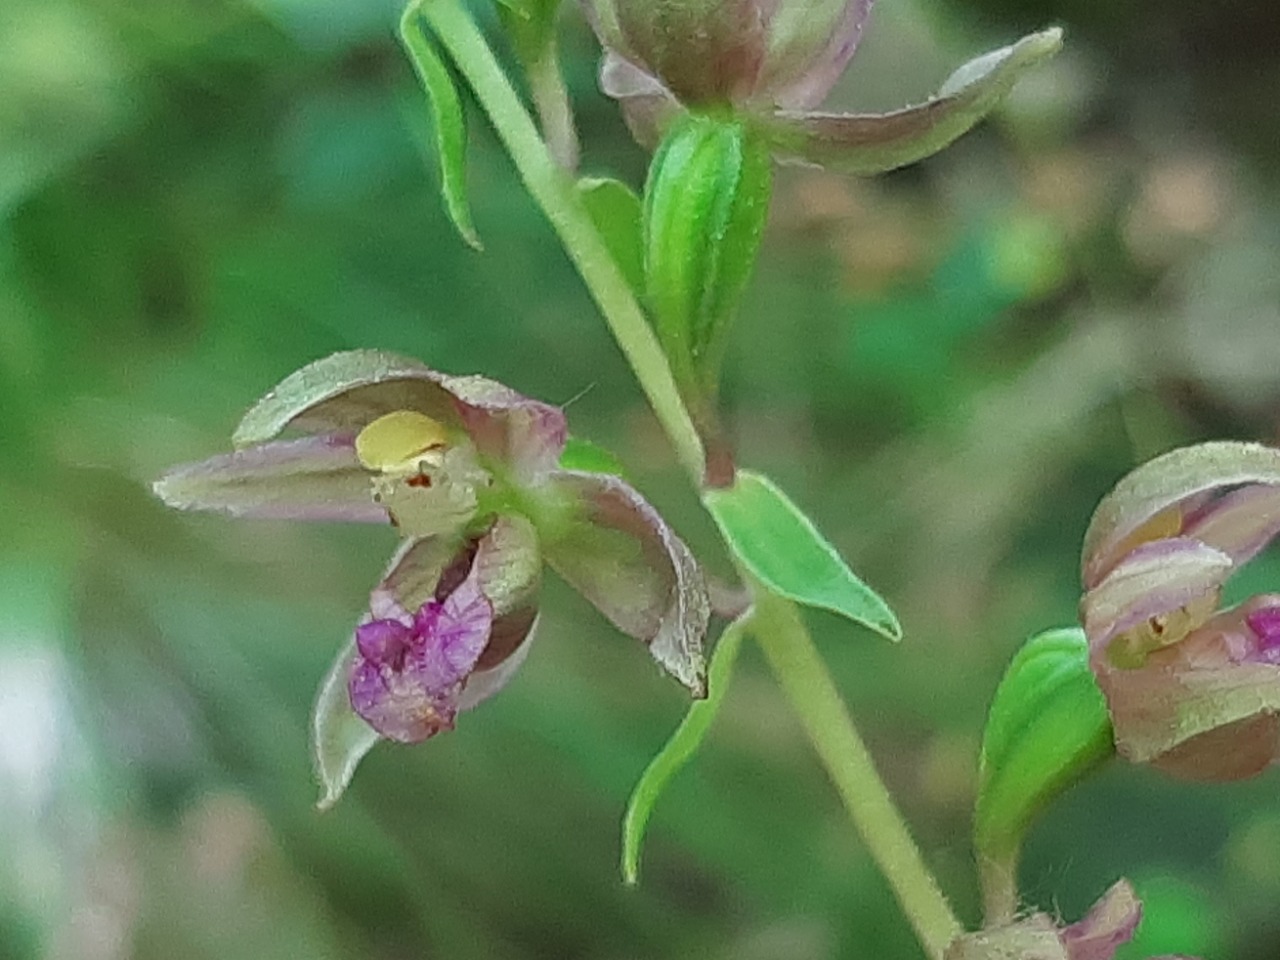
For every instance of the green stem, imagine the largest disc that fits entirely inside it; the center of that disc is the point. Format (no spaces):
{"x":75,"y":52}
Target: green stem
{"x":813,"y":695}
{"x":551,"y":99}
{"x":781,"y":632}
{"x":556,"y":193}
{"x":999,"y":881}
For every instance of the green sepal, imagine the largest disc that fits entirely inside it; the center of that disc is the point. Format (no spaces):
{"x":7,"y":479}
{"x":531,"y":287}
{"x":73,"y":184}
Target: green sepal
{"x":680,"y":749}
{"x":447,"y":116}
{"x":339,"y":738}
{"x":779,"y":546}
{"x":588,"y":457}
{"x":705,"y":204}
{"x":1047,"y":728}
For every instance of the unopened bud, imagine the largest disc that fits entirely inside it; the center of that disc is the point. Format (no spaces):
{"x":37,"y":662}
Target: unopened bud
{"x":706,"y":201}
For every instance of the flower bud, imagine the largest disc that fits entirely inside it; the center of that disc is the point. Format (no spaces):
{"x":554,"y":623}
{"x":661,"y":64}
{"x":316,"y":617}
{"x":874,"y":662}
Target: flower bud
{"x":715,"y":51}
{"x":1192,"y":689}
{"x":706,"y":200}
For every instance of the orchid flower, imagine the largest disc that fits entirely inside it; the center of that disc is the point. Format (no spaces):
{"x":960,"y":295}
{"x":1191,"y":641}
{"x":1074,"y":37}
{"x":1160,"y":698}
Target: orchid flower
{"x":1192,"y":689}
{"x":1108,"y":925}
{"x":774,"y":61}
{"x":467,"y":471}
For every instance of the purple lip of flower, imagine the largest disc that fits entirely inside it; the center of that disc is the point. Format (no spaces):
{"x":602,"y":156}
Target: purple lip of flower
{"x":407,"y":676}
{"x":1265,"y":624}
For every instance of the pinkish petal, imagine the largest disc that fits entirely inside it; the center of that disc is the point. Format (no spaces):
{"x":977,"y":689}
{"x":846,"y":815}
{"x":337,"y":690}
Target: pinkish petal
{"x":313,"y":478}
{"x":872,"y":143}
{"x":1169,"y":482}
{"x":1241,"y":523}
{"x":346,"y":391}
{"x":647,"y":106}
{"x":795,"y":76}
{"x":484,"y":682}
{"x":622,"y":556}
{"x":412,"y":576}
{"x":505,"y":558}
{"x":1150,"y":587}
{"x":458,"y":630}
{"x":1205,"y":708}
{"x":1111,"y":922}
{"x":528,"y":435}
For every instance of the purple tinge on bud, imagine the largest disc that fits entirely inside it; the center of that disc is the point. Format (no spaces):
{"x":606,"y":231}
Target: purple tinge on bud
{"x":775,"y":61}
{"x":1109,"y":924}
{"x":410,"y":672}
{"x":785,"y":53}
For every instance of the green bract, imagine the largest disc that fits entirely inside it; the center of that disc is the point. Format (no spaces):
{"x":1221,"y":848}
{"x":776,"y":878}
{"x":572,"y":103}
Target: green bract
{"x":780,"y":547}
{"x":1047,"y":728}
{"x":679,"y":750}
{"x":446,"y":114}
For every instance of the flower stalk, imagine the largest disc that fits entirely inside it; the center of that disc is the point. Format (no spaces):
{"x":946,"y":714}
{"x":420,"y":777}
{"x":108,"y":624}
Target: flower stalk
{"x":779,"y":628}
{"x":807,"y":683}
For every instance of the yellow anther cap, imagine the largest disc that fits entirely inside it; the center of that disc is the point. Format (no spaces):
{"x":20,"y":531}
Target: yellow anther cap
{"x":393,"y":442}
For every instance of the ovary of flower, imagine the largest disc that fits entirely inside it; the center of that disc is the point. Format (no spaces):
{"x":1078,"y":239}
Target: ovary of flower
{"x":425,"y":480}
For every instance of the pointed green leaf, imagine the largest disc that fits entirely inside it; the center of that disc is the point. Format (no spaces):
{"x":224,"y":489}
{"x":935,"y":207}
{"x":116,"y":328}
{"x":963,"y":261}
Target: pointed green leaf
{"x":588,"y":457}
{"x":450,"y":125}
{"x":339,"y":738}
{"x":615,"y":210}
{"x":679,"y":750}
{"x":782,"y":548}
{"x":1047,"y":728}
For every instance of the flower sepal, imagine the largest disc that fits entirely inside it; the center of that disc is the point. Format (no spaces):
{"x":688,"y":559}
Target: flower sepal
{"x":1191,"y":689}
{"x":865,"y":144}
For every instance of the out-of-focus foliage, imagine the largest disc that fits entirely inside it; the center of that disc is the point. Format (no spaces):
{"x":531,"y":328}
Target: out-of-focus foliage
{"x":946,"y":367}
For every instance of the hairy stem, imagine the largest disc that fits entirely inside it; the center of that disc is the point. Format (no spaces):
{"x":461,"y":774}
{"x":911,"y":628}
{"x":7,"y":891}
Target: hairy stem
{"x":999,"y":881}
{"x":555,"y":192}
{"x":813,"y":695}
{"x":551,"y":100}
{"x":781,"y":632}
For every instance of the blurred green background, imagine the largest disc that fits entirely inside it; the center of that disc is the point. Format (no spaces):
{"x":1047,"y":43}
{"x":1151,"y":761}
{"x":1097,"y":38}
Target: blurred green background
{"x":946,"y":366}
